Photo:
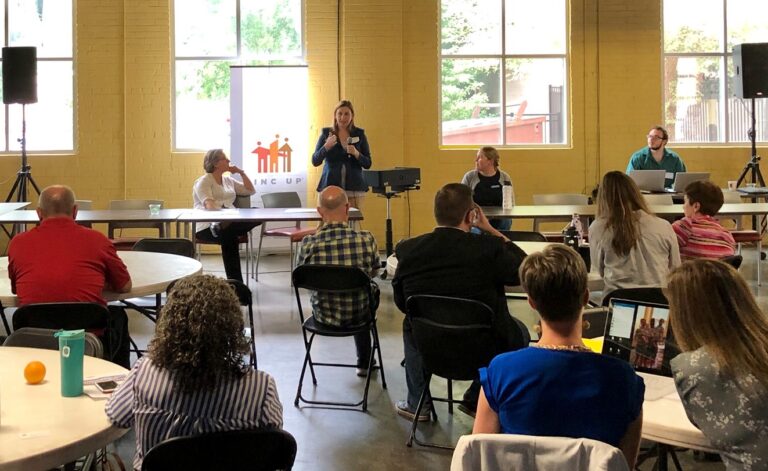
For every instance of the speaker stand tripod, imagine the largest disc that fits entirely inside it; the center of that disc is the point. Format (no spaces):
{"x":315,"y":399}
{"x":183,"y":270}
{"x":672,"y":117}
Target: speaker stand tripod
{"x":754,"y":161}
{"x":24,"y":176}
{"x":757,"y":177}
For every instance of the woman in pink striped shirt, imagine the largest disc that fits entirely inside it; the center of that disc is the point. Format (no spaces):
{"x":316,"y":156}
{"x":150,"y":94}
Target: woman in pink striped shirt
{"x":699,"y":234}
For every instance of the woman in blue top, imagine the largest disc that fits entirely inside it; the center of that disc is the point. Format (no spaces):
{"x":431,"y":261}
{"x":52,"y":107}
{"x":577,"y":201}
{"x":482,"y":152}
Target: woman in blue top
{"x":344,"y":149}
{"x":558,"y":387}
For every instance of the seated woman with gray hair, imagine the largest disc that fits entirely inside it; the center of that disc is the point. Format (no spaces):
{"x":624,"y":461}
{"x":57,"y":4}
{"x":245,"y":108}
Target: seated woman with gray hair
{"x":214,"y":191}
{"x":193,"y":379}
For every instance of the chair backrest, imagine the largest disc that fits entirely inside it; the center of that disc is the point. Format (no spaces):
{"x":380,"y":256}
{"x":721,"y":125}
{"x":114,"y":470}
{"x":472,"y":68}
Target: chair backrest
{"x":560,"y":198}
{"x":183,"y":247}
{"x":658,"y":200}
{"x":288,"y":199}
{"x":85,"y":205}
{"x":652,"y":295}
{"x":66,"y":316}
{"x":136,"y":205}
{"x":244,"y":294}
{"x":485,"y":452}
{"x":733,"y":260}
{"x":731,"y":197}
{"x":524,"y":236}
{"x":35,"y":337}
{"x":254,"y":450}
{"x":454,"y":336}
{"x":242,"y":201}
{"x":335,"y":279}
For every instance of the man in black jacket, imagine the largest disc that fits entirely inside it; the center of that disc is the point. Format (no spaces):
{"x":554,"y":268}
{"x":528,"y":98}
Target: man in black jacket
{"x":450,"y":261}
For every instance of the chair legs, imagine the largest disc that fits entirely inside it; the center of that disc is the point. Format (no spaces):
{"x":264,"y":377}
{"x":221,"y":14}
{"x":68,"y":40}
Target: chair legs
{"x":422,"y":399}
{"x":363,"y":403}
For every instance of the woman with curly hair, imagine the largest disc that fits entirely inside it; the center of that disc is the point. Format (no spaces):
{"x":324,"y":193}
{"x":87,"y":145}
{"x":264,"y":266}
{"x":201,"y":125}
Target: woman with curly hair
{"x":193,"y":379}
{"x":722,"y":376}
{"x":629,"y":246}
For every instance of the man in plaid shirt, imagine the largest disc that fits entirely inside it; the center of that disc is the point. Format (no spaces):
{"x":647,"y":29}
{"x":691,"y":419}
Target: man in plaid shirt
{"x":335,"y":243}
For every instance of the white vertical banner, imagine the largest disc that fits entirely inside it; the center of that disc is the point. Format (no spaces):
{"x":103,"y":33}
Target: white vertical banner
{"x":269,"y":123}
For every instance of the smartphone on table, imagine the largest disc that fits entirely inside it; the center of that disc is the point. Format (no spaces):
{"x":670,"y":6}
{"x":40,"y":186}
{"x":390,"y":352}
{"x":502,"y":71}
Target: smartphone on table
{"x":107,"y":387}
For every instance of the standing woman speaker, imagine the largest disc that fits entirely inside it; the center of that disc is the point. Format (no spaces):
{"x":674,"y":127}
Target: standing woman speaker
{"x":344,"y":150}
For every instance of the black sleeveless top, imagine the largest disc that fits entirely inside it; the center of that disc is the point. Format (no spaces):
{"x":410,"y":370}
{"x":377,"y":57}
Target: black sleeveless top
{"x":487,"y":192}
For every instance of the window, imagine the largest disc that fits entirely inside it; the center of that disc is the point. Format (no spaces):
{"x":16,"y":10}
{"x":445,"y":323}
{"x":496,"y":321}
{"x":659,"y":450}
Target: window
{"x":503,"y":72}
{"x":211,"y":35}
{"x":46,"y":25}
{"x":699,"y":101}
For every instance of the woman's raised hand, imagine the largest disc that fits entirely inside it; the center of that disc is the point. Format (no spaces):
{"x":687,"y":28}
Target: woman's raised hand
{"x":331,"y":141}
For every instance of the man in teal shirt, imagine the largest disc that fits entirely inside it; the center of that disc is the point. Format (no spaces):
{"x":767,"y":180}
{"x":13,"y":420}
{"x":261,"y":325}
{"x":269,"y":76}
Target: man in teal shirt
{"x":657,"y":157}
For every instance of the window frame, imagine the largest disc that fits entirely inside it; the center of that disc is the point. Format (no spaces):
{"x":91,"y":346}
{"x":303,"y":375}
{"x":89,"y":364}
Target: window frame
{"x":7,"y":139}
{"x":503,"y":57}
{"x":235,"y":60}
{"x":725,"y":57}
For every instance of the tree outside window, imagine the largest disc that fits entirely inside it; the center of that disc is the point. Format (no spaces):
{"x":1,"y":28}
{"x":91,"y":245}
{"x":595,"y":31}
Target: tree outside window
{"x":209,"y":37}
{"x":525,"y":43}
{"x":699,"y":101}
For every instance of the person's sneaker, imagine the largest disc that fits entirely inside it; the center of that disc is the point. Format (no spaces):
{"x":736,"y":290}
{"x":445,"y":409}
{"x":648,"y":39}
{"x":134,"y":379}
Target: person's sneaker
{"x":467,"y":409}
{"x":404,"y":411}
{"x":362,"y":371}
{"x":215,"y":228}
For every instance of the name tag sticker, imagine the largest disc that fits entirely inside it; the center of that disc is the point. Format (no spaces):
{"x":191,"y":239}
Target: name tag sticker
{"x":354,"y":140}
{"x":669,"y":175}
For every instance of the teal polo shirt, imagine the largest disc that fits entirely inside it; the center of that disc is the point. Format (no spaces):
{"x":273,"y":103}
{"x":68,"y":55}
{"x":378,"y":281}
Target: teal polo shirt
{"x":643,"y":160}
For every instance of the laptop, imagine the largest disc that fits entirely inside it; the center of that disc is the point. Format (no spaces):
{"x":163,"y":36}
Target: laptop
{"x":683,"y":179}
{"x":649,"y":180}
{"x":638,"y":333}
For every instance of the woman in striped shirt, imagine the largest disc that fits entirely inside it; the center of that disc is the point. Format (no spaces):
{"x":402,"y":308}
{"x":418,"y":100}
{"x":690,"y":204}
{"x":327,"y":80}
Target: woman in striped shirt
{"x":193,"y":379}
{"x":699,"y":234}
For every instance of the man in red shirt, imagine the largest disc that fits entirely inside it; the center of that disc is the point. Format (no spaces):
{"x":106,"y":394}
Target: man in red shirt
{"x":61,"y":261}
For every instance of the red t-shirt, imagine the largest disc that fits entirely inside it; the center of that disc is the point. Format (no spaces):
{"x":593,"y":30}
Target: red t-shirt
{"x":60,"y":261}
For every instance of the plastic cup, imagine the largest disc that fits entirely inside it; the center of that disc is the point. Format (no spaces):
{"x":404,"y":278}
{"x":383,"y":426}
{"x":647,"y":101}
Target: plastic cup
{"x":154,"y":209}
{"x":732,"y":185}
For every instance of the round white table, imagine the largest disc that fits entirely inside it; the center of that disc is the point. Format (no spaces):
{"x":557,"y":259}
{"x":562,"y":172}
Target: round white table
{"x":40,"y":429}
{"x":151,"y":273}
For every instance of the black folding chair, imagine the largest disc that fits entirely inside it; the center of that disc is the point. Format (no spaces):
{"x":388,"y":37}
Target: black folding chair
{"x":245,"y":296}
{"x":251,"y":450}
{"x":733,"y":260}
{"x":651,"y":295}
{"x":524,"y":236}
{"x":455,"y":338}
{"x":337,"y":280}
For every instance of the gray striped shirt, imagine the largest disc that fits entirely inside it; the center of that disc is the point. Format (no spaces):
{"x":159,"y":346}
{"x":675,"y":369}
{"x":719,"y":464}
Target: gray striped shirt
{"x":149,"y":402}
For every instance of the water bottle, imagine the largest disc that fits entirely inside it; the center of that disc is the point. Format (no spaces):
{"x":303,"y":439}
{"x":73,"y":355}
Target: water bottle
{"x":576,"y":221}
{"x":506,"y":195}
{"x":572,"y":234}
{"x":71,"y":350}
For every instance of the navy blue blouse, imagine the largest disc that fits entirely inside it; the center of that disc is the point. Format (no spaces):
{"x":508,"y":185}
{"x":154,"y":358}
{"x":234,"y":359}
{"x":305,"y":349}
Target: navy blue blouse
{"x":338,"y":162}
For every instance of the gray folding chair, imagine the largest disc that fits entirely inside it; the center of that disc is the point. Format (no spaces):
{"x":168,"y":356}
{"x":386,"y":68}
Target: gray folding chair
{"x":35,"y":337}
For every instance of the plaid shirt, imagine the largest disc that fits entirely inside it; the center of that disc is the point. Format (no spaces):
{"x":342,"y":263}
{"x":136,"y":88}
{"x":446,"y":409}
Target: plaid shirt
{"x":338,"y":244}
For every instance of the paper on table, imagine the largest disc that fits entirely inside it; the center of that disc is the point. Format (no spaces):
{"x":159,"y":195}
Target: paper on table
{"x":300,"y":210}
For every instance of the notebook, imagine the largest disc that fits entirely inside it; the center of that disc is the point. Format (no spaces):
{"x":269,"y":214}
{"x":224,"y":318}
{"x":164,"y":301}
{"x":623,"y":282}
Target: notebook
{"x":683,"y":179}
{"x":638,"y":333}
{"x":649,"y":180}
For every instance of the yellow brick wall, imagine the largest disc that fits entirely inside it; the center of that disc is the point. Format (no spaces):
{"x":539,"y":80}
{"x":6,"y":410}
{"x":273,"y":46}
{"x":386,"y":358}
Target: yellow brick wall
{"x":389,"y":68}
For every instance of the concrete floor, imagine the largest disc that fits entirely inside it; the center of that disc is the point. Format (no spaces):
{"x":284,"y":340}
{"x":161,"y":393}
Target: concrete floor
{"x":353,"y":440}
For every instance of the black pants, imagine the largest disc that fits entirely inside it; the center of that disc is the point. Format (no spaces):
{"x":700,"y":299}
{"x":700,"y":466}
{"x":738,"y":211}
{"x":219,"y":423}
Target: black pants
{"x":116,"y":339}
{"x":227,"y":237}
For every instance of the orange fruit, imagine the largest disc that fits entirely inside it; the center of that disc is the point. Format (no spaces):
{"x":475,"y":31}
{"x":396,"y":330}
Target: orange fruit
{"x":34,"y":372}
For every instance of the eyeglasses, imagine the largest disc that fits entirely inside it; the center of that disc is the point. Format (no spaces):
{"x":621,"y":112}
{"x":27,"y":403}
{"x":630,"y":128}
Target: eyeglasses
{"x":655,"y":138}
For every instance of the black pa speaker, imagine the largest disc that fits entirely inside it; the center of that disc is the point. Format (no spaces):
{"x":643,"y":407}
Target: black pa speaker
{"x":19,"y":75}
{"x":750,"y":62}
